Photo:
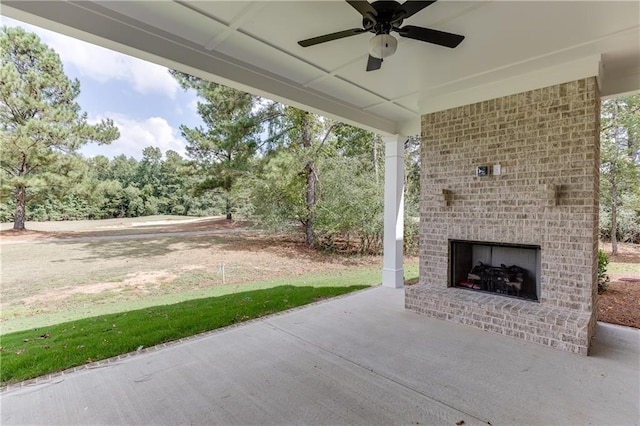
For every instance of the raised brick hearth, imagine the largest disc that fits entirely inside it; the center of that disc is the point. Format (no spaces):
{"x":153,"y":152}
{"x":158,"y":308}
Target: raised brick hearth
{"x":546,"y":142}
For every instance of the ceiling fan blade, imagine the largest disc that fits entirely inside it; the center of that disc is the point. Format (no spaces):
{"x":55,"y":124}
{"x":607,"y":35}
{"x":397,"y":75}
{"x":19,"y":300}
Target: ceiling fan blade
{"x":373,"y":63}
{"x":431,"y":36}
{"x":329,"y":37}
{"x":411,"y":7}
{"x":364,"y":8}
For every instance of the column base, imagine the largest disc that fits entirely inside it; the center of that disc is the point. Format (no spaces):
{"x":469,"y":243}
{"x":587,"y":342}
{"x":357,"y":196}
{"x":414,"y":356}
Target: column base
{"x":393,"y":278}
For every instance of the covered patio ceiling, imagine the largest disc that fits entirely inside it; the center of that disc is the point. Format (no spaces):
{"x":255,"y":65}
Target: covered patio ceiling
{"x":510,"y":47}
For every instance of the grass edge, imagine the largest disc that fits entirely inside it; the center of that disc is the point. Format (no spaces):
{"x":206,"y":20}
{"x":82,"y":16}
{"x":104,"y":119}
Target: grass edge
{"x":47,"y":378}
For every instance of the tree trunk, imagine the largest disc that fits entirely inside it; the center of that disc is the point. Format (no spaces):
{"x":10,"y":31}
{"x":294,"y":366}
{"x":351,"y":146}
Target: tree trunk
{"x":375,"y":160}
{"x":20,"y":212}
{"x":309,"y":234}
{"x":614,"y":215}
{"x":614,"y":187}
{"x":228,"y":207}
{"x":310,"y":171}
{"x":228,"y":184}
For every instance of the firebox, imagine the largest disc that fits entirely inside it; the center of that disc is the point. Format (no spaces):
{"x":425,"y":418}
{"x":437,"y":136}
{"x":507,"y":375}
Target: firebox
{"x":511,"y":270}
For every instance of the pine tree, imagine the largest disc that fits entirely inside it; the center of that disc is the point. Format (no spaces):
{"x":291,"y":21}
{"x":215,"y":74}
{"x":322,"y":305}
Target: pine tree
{"x":620,"y":168}
{"x":41,"y":124}
{"x":223,"y":150}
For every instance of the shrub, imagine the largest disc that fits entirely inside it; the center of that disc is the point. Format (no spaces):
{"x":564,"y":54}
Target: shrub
{"x":411,"y":235}
{"x":603,"y":278}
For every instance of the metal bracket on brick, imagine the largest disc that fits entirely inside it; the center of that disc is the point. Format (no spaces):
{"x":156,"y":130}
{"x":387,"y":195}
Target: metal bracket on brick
{"x":447,"y":197}
{"x":549,"y":194}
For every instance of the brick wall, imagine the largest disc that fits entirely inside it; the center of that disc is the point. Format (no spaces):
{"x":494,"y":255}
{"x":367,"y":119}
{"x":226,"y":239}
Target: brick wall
{"x":547,"y":143}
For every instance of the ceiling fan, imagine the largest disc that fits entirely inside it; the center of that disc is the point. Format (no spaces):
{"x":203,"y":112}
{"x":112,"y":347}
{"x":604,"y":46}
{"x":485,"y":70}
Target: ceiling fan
{"x":380,"y":18}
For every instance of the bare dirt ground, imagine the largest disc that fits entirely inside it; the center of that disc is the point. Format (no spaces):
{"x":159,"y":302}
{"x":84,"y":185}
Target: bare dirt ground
{"x":62,"y":266}
{"x":620,"y":303}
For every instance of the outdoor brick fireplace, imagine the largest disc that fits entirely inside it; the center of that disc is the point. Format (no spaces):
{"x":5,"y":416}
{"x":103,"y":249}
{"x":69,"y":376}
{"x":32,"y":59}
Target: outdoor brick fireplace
{"x":512,"y":184}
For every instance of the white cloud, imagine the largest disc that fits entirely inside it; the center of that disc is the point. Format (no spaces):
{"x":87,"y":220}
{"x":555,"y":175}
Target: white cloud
{"x":135,"y":135}
{"x":189,"y":104}
{"x":103,"y":64}
{"x":193,"y":105}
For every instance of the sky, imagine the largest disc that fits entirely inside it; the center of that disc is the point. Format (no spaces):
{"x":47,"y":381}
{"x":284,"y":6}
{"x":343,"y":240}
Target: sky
{"x":143,"y":99}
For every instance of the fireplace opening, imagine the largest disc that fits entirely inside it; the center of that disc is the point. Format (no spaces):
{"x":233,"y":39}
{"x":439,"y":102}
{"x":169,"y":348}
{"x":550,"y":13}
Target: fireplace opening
{"x":505,"y":269}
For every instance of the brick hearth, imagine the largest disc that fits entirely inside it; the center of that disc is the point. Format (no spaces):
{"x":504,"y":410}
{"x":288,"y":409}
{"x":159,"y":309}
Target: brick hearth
{"x":546,"y":142}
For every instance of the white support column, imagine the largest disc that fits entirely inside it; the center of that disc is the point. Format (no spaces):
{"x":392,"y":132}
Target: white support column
{"x":392,"y":270}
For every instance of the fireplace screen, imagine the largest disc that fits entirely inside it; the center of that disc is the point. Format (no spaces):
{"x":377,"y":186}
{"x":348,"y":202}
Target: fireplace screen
{"x":505,"y":269}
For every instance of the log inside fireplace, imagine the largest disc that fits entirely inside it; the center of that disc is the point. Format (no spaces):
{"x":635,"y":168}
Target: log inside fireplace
{"x":511,"y":270}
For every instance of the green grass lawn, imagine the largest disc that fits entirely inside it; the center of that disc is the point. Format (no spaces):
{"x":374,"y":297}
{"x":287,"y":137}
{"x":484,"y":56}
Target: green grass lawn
{"x":36,"y":352}
{"x":48,"y":347}
{"x":362,"y":275}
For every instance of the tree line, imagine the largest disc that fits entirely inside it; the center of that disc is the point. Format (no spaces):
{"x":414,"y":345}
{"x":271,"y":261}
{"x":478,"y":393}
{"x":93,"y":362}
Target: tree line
{"x":277,"y":165}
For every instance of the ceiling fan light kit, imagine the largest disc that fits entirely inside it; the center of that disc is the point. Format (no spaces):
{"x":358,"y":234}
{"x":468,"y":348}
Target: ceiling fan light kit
{"x":382,"y":46}
{"x":381,"y":18}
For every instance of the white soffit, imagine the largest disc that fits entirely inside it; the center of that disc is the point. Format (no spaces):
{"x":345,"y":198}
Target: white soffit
{"x":169,"y":16}
{"x":449,"y":97}
{"x":252,"y":51}
{"x":391,"y":110}
{"x":510,"y":47}
{"x":340,"y":88}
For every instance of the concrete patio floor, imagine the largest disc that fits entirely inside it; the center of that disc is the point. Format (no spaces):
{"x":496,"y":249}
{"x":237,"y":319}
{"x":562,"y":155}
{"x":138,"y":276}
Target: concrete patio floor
{"x":359,"y":359}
